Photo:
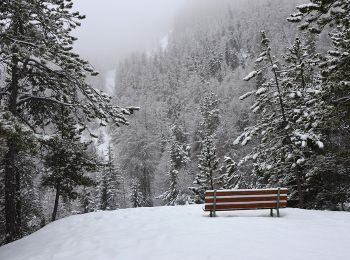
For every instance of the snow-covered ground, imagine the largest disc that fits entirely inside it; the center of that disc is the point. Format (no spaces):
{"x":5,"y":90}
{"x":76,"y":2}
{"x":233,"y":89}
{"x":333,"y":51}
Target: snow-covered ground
{"x":186,"y":232}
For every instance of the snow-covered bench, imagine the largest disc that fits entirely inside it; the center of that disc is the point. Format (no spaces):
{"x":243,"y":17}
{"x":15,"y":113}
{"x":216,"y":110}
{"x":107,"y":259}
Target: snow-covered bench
{"x":225,"y":200}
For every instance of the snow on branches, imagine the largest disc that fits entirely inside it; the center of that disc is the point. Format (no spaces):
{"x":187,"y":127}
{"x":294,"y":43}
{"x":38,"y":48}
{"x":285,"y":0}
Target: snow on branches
{"x":290,"y":121}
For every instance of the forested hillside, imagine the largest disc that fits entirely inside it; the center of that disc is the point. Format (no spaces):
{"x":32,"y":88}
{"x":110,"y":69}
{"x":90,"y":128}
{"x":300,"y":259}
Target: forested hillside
{"x":209,"y":52}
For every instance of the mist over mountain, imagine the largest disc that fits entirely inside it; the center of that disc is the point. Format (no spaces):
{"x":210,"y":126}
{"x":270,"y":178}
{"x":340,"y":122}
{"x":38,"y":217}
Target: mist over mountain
{"x":115,"y":28}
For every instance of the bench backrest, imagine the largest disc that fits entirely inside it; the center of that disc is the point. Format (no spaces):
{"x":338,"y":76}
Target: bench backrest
{"x":221,"y":200}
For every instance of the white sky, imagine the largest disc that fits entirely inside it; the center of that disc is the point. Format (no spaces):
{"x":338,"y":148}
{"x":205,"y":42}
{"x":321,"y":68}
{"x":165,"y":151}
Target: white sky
{"x":114,"y":28}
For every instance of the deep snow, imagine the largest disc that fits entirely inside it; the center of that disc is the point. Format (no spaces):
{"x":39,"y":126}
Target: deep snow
{"x":186,"y":232}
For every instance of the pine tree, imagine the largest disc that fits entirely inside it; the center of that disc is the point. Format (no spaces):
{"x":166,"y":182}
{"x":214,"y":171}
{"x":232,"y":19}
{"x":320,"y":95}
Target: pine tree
{"x":291,"y":119}
{"x":206,"y":178}
{"x":315,"y":18}
{"x":139,"y":159}
{"x":328,"y":181}
{"x":31,"y":210}
{"x":67,"y":161}
{"x":170,"y":196}
{"x":110,"y":184}
{"x":22,"y":140}
{"x":230,"y":179}
{"x":210,"y":113}
{"x":178,"y":152}
{"x":88,"y":199}
{"x":42,"y":73}
{"x":136,"y":196}
{"x":179,"y":149}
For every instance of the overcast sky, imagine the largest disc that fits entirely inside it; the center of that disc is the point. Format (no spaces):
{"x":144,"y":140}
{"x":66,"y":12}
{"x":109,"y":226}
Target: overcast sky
{"x":114,"y":28}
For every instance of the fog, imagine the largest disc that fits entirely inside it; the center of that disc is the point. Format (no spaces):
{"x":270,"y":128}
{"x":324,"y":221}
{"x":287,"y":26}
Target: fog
{"x":115,"y":28}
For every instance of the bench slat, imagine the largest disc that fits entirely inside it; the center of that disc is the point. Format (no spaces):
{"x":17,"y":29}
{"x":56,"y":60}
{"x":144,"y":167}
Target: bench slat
{"x":244,"y":202}
{"x":264,"y":205}
{"x":244,"y":199}
{"x":244,"y":192}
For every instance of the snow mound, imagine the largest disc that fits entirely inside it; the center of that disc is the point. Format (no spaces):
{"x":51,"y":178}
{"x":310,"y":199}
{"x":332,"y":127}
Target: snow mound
{"x":186,"y":232}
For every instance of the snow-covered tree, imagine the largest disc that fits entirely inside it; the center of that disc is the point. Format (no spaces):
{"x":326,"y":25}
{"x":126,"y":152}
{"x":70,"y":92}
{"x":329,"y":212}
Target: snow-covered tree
{"x":230,"y":178}
{"x":314,"y":17}
{"x":332,"y":17}
{"x":42,"y":73}
{"x":334,"y":66}
{"x":139,"y":158}
{"x":110,"y":184}
{"x":136,"y":196}
{"x":291,"y":118}
{"x":170,"y":196}
{"x":88,"y":200}
{"x":67,"y":161}
{"x":23,"y":141}
{"x":208,"y":163}
{"x":177,"y":154}
{"x":32,"y":211}
{"x":210,"y":114}
{"x":328,"y":181}
{"x":179,"y":149}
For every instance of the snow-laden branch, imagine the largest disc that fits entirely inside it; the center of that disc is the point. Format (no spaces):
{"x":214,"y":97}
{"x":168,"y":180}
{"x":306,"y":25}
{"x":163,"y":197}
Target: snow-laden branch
{"x":25,"y":99}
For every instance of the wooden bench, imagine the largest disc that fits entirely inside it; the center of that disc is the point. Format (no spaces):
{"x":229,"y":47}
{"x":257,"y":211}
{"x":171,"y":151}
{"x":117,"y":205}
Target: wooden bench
{"x":225,"y":200}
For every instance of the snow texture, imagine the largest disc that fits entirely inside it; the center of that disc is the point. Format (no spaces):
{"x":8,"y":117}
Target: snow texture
{"x":309,"y":5}
{"x":186,"y":232}
{"x":244,"y":96}
{"x":250,"y":75}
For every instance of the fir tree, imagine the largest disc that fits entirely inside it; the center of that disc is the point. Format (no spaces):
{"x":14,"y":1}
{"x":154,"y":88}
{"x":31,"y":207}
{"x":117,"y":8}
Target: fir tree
{"x":43,"y":74}
{"x":22,"y":140}
{"x":230,"y":179}
{"x":334,"y":66}
{"x":206,"y":178}
{"x":88,"y":199}
{"x":170,"y":196}
{"x":136,"y":196}
{"x":178,"y":152}
{"x":332,"y":17}
{"x":110,"y":184}
{"x":179,"y":149}
{"x":291,"y":119}
{"x":67,"y":161}
{"x":328,"y":181}
{"x":32,"y":214}
{"x":209,"y":111}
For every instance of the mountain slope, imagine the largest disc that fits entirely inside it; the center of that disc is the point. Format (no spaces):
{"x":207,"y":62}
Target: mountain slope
{"x":186,"y":232}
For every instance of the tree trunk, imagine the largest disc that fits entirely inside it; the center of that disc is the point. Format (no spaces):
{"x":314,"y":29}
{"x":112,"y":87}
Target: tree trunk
{"x":146,"y":187}
{"x":12,"y":196}
{"x":12,"y":176}
{"x":57,"y":199}
{"x":300,"y":189}
{"x":124,"y":195}
{"x":279,"y":92}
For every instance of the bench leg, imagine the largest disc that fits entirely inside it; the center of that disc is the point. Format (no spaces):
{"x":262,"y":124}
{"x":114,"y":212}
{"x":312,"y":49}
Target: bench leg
{"x":271,"y":212}
{"x":278,"y":203}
